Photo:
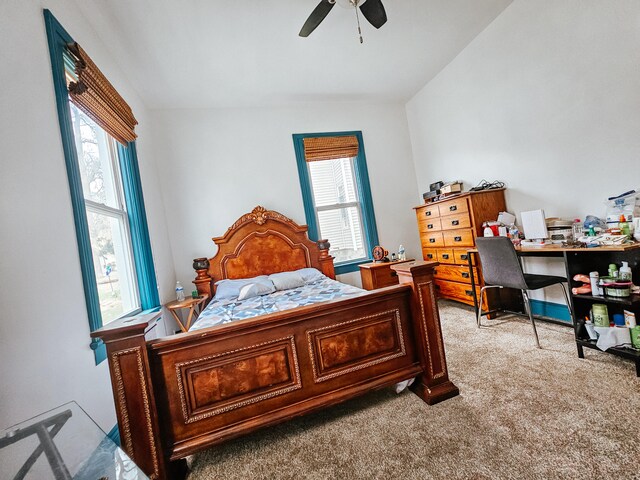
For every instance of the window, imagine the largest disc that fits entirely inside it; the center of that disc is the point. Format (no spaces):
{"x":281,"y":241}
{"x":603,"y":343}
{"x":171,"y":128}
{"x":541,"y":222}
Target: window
{"x":336,"y":194}
{"x":98,"y":139}
{"x":106,"y":217}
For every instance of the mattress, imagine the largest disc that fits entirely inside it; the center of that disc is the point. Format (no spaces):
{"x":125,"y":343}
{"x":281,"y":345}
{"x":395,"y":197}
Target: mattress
{"x":223,"y":311}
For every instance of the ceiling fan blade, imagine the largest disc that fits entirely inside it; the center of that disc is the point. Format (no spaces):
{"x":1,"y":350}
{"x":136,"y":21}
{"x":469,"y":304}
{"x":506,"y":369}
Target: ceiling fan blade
{"x":318,"y":14}
{"x":373,"y":11}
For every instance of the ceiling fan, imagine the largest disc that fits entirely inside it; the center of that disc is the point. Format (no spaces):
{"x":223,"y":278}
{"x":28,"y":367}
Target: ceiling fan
{"x":373,"y":11}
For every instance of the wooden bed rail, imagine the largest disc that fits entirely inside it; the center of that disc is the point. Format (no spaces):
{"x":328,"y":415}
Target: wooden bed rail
{"x":318,"y":356}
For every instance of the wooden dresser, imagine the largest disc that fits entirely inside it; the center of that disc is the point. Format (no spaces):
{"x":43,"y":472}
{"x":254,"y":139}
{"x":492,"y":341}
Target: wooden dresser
{"x":448,"y":228}
{"x":379,"y":274}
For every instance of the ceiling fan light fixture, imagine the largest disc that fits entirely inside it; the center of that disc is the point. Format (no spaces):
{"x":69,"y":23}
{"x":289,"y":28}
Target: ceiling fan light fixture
{"x":372,"y":10}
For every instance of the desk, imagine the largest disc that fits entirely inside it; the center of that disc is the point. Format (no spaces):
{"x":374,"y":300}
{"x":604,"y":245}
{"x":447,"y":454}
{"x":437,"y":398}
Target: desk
{"x":585,"y":260}
{"x":194,"y":305}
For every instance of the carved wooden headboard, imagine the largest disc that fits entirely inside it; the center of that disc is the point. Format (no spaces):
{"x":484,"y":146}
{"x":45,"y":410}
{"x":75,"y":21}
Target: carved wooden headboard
{"x":260,"y":243}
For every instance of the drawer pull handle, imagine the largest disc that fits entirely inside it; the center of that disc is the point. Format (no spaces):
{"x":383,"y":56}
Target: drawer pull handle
{"x":453,"y":208}
{"x":464,"y":257}
{"x":428,"y":213}
{"x":457,"y":239}
{"x":437,"y":287}
{"x":429,"y":256}
{"x":430,"y":226}
{"x":435,"y":271}
{"x":465,"y":274}
{"x":445,"y":256}
{"x":455,"y":222}
{"x":468,"y":292}
{"x":432,"y":240}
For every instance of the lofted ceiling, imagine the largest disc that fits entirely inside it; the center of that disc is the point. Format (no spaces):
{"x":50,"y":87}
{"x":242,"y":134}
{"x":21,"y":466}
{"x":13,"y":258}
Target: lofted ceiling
{"x":215,"y":53}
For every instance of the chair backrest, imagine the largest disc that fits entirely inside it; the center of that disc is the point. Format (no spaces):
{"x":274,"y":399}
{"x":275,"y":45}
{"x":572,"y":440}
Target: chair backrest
{"x":500,"y":264}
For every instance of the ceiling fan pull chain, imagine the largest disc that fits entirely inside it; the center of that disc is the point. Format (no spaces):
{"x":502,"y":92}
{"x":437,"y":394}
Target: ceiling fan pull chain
{"x":358,"y":21}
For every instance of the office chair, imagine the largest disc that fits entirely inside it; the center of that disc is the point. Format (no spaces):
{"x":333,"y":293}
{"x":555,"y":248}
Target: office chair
{"x":501,"y":268}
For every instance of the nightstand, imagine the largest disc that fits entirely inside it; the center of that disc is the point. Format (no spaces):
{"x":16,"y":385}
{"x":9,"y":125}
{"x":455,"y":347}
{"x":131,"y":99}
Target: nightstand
{"x":379,"y":274}
{"x":193,"y":305}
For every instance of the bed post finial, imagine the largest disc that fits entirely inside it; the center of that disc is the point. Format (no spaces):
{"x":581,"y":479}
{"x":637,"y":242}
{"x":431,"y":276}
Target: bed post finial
{"x":326,"y":260}
{"x":203,"y":280}
{"x":433,"y":385}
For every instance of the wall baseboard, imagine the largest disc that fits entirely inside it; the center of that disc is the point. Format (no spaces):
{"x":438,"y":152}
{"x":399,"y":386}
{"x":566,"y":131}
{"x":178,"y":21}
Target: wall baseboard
{"x":556,"y":311}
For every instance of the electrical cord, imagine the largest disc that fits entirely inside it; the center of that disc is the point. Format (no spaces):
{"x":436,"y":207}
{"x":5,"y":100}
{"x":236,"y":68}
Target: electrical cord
{"x":485,"y":185}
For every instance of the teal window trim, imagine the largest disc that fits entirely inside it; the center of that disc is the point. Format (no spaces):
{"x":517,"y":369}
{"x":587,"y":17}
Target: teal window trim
{"x":58,"y":39}
{"x":364,"y":189}
{"x":140,"y":241}
{"x":114,"y":435}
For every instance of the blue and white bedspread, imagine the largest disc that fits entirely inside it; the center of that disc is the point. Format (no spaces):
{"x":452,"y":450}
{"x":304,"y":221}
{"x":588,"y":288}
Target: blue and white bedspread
{"x":227,"y":310}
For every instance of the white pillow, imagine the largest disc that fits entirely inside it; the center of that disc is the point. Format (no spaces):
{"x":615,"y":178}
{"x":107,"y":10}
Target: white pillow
{"x":310,"y":274}
{"x":287,"y":280}
{"x":256,"y":289}
{"x":231,"y":288}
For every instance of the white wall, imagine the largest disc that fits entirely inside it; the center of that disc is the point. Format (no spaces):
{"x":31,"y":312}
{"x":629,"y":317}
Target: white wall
{"x":217,"y":164}
{"x":546,"y":99}
{"x":45,"y":358}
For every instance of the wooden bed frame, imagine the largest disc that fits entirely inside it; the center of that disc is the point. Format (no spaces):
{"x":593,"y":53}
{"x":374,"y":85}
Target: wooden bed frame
{"x":177,"y":395}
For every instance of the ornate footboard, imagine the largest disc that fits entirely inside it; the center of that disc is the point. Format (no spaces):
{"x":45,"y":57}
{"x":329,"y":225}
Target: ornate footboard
{"x":177,"y":395}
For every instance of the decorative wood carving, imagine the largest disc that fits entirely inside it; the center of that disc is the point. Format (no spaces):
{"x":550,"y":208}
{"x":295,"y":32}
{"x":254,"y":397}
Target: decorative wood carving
{"x":218,"y":383}
{"x":342,"y":348}
{"x":260,"y":243}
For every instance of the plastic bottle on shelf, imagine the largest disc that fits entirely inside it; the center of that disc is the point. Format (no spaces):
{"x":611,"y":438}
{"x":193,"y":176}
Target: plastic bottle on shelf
{"x":625,"y":272}
{"x":576,"y":229}
{"x":514,"y":234}
{"x":624,"y":226}
{"x":401,"y":255}
{"x":179,"y":292}
{"x":594,"y":277}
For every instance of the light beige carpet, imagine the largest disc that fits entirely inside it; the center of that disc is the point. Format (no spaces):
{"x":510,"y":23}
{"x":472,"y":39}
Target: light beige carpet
{"x":522,"y":413}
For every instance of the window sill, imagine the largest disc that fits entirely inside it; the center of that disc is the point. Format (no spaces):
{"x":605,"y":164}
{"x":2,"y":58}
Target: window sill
{"x":348,"y":267}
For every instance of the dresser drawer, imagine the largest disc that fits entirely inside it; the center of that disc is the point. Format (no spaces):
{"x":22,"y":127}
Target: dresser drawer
{"x":426,"y":212}
{"x":379,"y":275}
{"x":460,"y":292}
{"x":385,"y":277}
{"x":461,"y":256}
{"x":453,"y":206}
{"x":455,"y":273}
{"x":429,"y":225}
{"x":458,"y":238}
{"x":430,"y":254}
{"x":458,"y":220}
{"x":445,"y":255}
{"x":432,"y":239}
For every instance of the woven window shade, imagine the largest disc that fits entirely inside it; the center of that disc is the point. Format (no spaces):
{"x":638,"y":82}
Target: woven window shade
{"x":94,"y":95}
{"x":330,"y":148}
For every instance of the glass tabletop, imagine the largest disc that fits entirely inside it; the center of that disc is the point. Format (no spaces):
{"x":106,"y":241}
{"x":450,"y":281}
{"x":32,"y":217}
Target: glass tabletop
{"x":63,"y":444}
